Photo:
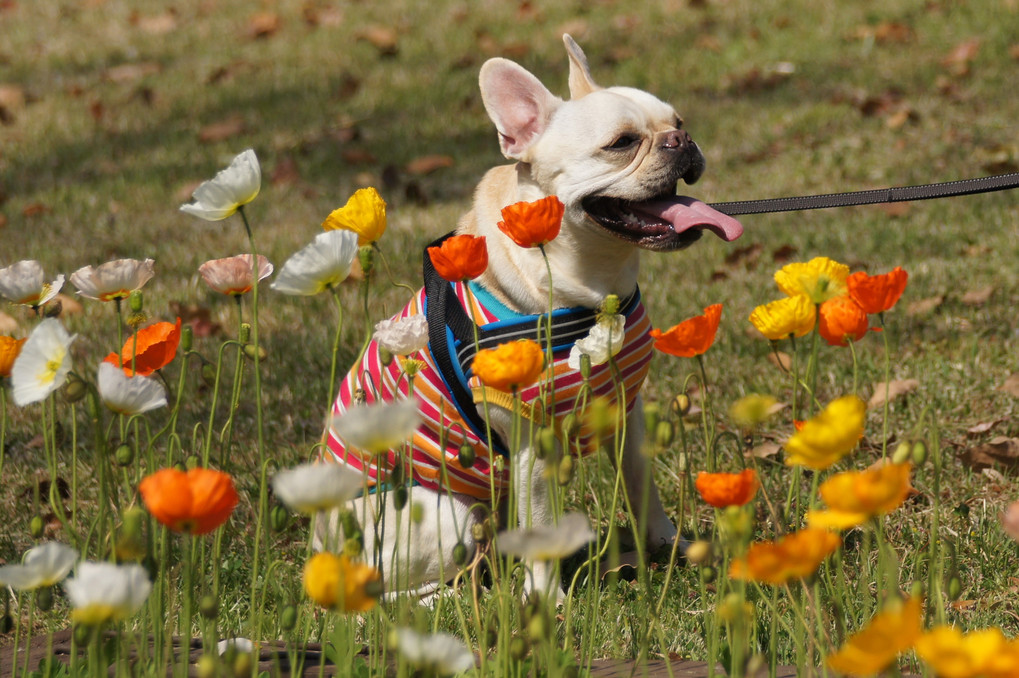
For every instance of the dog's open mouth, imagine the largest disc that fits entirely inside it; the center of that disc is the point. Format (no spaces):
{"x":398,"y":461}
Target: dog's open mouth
{"x":665,"y":223}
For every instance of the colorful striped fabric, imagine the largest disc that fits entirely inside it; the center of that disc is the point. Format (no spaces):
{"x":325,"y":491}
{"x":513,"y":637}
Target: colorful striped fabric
{"x":435,"y":445}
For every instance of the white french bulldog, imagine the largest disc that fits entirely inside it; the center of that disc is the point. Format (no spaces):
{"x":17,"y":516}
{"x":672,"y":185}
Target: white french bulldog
{"x":613,"y":157}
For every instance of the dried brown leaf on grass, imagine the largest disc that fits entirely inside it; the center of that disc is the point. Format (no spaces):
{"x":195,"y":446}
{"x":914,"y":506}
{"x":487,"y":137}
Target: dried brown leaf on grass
{"x":894,"y":389}
{"x":132,"y":72}
{"x":222,"y":130}
{"x":983,"y":427}
{"x":925,"y":306}
{"x":781,"y":360}
{"x":155,"y":24}
{"x":1011,"y":385}
{"x":264,"y":25}
{"x":978,"y":297}
{"x":999,"y":452}
{"x":427,"y":164}
{"x":382,"y":38}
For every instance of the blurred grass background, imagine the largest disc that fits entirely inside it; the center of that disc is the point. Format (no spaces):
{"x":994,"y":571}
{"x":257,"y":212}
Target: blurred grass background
{"x":112,"y":111}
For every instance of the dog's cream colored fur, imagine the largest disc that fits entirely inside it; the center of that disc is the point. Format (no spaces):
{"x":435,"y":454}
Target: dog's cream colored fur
{"x":562,"y":148}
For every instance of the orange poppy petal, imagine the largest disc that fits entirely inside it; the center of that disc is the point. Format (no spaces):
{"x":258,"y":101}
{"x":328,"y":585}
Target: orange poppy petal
{"x":531,"y":224}
{"x":841,"y":320}
{"x":461,"y":257}
{"x":691,"y":337}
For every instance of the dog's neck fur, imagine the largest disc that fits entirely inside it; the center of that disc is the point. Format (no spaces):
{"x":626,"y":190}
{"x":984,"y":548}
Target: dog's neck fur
{"x":521,"y":281}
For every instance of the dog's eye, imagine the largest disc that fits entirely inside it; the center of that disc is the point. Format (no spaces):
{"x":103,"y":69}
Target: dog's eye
{"x":679,"y":123}
{"x":623,"y":142}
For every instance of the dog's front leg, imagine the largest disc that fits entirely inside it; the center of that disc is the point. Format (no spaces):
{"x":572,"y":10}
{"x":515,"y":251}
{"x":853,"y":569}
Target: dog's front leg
{"x":534,"y":509}
{"x":640,"y":484}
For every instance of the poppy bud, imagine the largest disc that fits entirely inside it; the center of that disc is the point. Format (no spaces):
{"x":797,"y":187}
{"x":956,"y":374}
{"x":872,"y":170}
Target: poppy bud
{"x":570,"y":425}
{"x":919,"y":452}
{"x":192,"y":462}
{"x":136,"y":319}
{"x":460,"y":554}
{"x":417,"y":512}
{"x":610,"y":305}
{"x":682,"y":463}
{"x":954,"y":588}
{"x":366,"y":257}
{"x":546,"y":442}
{"x":585,"y":366}
{"x":681,"y":404}
{"x":478,"y":533}
{"x":187,"y":338}
{"x":123,"y":455}
{"x":36,"y":527}
{"x":130,"y":543}
{"x":466,"y":455}
{"x":135,"y":301}
{"x":499,"y":464}
{"x":251,"y":351}
{"x":82,"y":634}
{"x":75,"y":389}
{"x":244,"y":334}
{"x":208,"y":606}
{"x":348,"y":521}
{"x":916,"y":590}
{"x":352,"y":547}
{"x":400,"y":496}
{"x":664,"y":433}
{"x":707,"y":574}
{"x":537,"y":628}
{"x":206,"y":666}
{"x":209,"y":374}
{"x":519,"y":648}
{"x":288,"y":618}
{"x":652,"y":415}
{"x":53,"y":309}
{"x":279,"y":518}
{"x":699,"y":552}
{"x":44,"y":598}
{"x":242,"y":665}
{"x":564,"y":473}
{"x":491,"y":637}
{"x":902,"y":452}
{"x":385,"y":356}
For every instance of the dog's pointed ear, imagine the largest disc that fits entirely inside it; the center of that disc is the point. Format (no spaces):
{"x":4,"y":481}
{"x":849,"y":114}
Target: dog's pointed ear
{"x":581,"y":82}
{"x":518,"y":104}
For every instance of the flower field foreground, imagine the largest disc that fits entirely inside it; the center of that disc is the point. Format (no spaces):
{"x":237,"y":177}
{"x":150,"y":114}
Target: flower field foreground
{"x":831,"y":553}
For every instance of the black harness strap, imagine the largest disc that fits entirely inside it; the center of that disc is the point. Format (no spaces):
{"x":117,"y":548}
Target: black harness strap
{"x":948,"y":189}
{"x":451,"y":337}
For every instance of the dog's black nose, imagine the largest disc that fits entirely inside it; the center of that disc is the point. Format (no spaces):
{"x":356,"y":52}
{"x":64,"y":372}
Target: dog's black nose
{"x":677,"y":140}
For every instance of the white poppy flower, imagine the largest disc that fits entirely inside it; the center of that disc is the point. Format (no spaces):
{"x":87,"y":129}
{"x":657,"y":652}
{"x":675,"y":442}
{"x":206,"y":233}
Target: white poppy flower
{"x":403,"y":336}
{"x":601,"y":343}
{"x":103,"y":592}
{"x":113,"y":280}
{"x":323,"y":264}
{"x":231,"y":188}
{"x":310,"y":488}
{"x":232,"y":275}
{"x":548,"y":542}
{"x":43,"y":363}
{"x":438,"y":654}
{"x":128,"y":395}
{"x":23,"y":283}
{"x":44,"y":565}
{"x":377,"y":427}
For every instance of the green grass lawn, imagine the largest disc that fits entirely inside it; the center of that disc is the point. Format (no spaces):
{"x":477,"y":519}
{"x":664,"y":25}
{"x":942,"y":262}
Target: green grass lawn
{"x":112,"y":111}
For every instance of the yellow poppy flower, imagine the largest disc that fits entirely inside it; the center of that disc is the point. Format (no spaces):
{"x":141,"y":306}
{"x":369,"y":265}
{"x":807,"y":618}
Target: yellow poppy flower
{"x":952,"y":654}
{"x":364,"y":214}
{"x":854,"y":497}
{"x":872,"y":649}
{"x":779,"y":319}
{"x":828,"y":436}
{"x":819,"y":279}
{"x":336,"y":583}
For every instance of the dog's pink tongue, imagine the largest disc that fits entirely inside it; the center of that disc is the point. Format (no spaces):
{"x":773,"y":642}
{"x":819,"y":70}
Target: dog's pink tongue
{"x":685,"y":213}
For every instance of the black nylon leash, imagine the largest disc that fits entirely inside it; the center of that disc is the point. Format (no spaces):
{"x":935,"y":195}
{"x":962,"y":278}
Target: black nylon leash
{"x":948,"y":189}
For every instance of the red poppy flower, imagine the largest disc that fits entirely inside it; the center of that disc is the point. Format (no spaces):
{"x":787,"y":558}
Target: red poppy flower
{"x":877,"y":293}
{"x":691,"y":337}
{"x":841,"y":320}
{"x":461,"y":257}
{"x":532,"y":224}
{"x":727,"y":489}
{"x":195,"y":502}
{"x":157,"y":346}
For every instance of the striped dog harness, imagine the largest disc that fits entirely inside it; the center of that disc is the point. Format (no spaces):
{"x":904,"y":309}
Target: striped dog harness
{"x":447,"y":390}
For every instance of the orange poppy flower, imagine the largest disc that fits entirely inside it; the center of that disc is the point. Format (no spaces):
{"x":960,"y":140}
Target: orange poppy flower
{"x":842,"y":320}
{"x":854,"y":497}
{"x":462,"y":257}
{"x":794,"y":556}
{"x":510,"y":366}
{"x":727,"y":489}
{"x":877,"y":293}
{"x":532,"y":224}
{"x":691,"y":337}
{"x":9,"y":350}
{"x":195,"y":502}
{"x":157,"y":346}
